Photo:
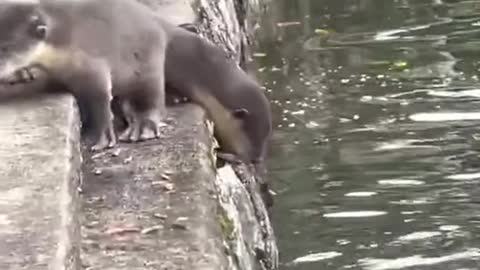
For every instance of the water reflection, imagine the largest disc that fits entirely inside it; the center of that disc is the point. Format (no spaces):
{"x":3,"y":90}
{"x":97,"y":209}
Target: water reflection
{"x":375,"y":154}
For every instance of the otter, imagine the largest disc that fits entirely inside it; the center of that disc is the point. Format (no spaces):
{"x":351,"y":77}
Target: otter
{"x":194,"y":65}
{"x":94,"y":53}
{"x":232,"y":98}
{"x":98,"y":56}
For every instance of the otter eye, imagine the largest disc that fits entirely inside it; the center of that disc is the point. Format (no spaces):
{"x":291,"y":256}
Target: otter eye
{"x":41,"y":31}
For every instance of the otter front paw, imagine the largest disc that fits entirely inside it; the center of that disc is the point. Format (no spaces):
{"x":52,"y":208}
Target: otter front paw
{"x":23,"y":75}
{"x":107,"y":140}
{"x":142,"y":130}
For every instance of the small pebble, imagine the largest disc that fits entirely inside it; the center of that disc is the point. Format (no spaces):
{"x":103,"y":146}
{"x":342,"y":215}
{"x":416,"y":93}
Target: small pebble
{"x":155,"y":228}
{"x":160,"y":216}
{"x":178,"y":226}
{"x":165,"y":185}
{"x":116,"y":152}
{"x":98,"y":155}
{"x":128,"y":160}
{"x":120,"y":230}
{"x":182,"y":219}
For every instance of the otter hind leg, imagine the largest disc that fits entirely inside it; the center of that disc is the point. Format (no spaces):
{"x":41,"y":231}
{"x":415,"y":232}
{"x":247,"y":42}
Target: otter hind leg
{"x":93,"y":85}
{"x":145,"y":107}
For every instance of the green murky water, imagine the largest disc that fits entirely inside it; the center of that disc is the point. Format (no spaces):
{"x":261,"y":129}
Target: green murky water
{"x":376,"y":151}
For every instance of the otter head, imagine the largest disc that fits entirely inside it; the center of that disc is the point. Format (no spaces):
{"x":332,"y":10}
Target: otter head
{"x":23,"y":30}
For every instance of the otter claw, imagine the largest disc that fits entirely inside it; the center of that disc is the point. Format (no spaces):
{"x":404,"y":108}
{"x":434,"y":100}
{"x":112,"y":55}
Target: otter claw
{"x":147,"y":130}
{"x":107,"y":140}
{"x":124,"y":137}
{"x":23,"y":75}
{"x":102,"y":146}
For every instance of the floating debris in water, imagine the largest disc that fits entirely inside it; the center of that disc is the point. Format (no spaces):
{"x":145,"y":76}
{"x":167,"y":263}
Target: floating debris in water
{"x":399,"y":65}
{"x":299,"y":112}
{"x":355,"y":214}
{"x":322,"y":31}
{"x":284,"y":24}
{"x":401,"y":182}
{"x":361,"y":194}
{"x":259,"y":54}
{"x":315,"y":257}
{"x":418,"y":236}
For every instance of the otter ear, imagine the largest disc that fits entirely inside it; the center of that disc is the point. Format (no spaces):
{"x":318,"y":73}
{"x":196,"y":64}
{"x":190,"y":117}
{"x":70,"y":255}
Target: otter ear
{"x":41,"y":31}
{"x":240,"y":113}
{"x":38,"y":27}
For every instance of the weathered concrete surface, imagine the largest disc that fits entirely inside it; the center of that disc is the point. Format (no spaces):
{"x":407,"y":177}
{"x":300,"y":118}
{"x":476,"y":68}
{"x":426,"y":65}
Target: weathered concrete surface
{"x":39,"y":178}
{"x":150,"y":205}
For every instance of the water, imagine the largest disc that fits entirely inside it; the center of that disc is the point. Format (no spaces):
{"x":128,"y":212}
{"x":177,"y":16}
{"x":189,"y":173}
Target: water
{"x":375,"y":157}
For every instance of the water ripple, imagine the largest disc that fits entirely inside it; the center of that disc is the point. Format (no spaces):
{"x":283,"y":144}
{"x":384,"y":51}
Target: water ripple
{"x":445,"y":116}
{"x":415,"y":260}
{"x":355,"y":214}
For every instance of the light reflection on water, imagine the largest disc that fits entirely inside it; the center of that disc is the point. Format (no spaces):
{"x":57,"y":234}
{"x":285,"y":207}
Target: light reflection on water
{"x":375,"y":157}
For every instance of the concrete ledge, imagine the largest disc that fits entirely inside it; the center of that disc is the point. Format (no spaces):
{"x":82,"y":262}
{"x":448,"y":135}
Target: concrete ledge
{"x":39,"y":165}
{"x":150,"y":205}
